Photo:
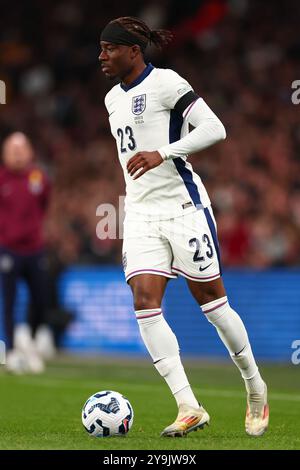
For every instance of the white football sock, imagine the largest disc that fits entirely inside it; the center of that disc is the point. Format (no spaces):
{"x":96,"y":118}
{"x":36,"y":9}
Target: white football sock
{"x":163,"y":347}
{"x":233,"y":333}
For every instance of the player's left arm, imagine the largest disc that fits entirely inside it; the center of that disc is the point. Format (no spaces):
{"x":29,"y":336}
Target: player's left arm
{"x":208,"y":129}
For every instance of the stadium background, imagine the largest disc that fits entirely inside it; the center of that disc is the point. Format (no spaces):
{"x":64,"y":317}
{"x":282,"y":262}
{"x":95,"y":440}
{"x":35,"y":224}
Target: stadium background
{"x":242,"y":57}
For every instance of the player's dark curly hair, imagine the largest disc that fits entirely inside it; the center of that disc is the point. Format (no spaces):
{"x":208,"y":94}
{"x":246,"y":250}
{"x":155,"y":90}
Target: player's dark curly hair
{"x":158,"y":37}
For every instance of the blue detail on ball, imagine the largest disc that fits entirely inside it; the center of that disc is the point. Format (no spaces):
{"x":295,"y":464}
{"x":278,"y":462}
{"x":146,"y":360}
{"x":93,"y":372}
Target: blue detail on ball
{"x":91,"y":429}
{"x":112,"y":407}
{"x":105,"y":430}
{"x":100,"y":395}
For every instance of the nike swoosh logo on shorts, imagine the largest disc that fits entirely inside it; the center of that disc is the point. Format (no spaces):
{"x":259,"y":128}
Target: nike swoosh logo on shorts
{"x":203,"y":269}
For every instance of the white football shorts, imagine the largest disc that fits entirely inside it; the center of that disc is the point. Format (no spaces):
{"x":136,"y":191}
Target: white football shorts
{"x":186,"y":245}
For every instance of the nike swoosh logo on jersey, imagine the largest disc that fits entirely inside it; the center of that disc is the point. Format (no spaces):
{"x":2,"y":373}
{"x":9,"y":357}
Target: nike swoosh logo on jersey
{"x":111,"y":113}
{"x":203,"y":269}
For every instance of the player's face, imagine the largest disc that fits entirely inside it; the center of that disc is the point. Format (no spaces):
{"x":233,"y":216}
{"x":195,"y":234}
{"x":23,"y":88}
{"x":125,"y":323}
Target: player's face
{"x":116,"y":59}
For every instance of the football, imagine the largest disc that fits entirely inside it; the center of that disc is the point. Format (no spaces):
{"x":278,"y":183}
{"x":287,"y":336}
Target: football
{"x":107,"y":414}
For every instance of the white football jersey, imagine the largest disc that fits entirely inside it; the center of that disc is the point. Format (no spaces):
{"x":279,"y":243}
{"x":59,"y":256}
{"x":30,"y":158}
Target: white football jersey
{"x":142,"y":118}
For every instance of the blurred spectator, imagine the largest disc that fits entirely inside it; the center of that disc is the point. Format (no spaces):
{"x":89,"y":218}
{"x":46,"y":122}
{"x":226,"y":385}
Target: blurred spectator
{"x":24,"y":196}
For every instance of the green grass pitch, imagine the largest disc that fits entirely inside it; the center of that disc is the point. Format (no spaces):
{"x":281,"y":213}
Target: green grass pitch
{"x":44,"y":412}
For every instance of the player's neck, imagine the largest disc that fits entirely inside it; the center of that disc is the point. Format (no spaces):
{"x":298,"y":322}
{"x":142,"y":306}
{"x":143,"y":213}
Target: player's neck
{"x":134,"y":74}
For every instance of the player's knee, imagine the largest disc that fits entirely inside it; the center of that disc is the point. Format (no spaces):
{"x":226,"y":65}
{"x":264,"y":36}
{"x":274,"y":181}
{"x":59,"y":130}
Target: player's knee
{"x":145,"y":302}
{"x":144,"y":299}
{"x":205,"y":292}
{"x":205,"y":296}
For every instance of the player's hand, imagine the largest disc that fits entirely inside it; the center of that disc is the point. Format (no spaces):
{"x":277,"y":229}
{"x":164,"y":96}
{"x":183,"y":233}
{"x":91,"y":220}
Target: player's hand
{"x":143,"y":161}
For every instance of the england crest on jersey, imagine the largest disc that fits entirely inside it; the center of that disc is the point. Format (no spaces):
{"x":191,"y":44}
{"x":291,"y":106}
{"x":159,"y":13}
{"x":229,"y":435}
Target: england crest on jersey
{"x":139,"y":104}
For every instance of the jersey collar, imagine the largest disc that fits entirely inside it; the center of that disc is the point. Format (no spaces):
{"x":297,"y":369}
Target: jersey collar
{"x":139,"y":79}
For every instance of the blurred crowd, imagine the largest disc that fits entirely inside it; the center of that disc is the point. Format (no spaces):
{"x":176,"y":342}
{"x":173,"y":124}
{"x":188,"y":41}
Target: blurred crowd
{"x":243,"y":64}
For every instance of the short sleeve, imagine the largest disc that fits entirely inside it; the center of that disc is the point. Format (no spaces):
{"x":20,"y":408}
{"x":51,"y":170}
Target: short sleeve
{"x":174,"y":91}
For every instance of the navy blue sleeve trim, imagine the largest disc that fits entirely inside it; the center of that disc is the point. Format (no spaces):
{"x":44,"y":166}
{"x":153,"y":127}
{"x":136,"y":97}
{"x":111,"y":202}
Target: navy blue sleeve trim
{"x":185,"y":101}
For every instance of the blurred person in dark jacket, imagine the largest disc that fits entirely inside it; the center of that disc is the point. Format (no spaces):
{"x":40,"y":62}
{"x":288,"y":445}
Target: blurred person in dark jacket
{"x":24,"y":197}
